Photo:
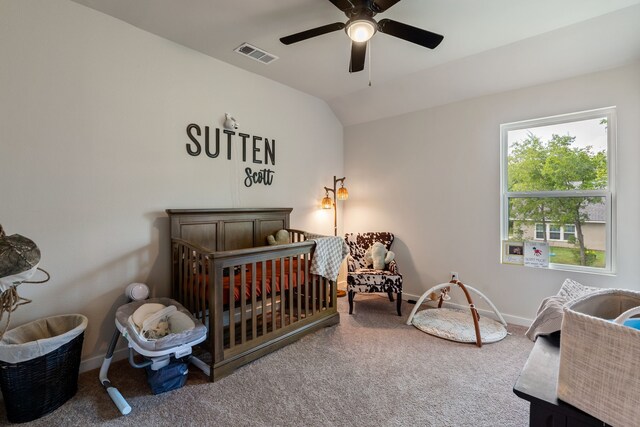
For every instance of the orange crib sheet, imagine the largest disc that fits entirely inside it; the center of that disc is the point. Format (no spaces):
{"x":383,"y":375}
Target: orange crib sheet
{"x":279,"y":281}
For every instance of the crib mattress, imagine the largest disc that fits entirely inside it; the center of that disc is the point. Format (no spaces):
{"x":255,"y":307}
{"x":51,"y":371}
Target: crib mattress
{"x":268,"y":275}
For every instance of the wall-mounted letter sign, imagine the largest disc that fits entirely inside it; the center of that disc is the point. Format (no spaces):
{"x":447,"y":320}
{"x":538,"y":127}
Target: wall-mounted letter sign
{"x":255,"y":149}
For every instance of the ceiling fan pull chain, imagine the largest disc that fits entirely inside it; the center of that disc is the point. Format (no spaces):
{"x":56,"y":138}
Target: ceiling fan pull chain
{"x":369,"y":52}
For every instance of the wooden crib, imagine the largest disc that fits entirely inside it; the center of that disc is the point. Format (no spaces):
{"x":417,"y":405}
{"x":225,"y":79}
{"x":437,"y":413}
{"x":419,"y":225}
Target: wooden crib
{"x":252,"y":297}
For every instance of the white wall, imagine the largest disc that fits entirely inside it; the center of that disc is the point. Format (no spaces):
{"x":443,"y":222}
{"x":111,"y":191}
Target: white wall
{"x":432,"y":177}
{"x":93,"y":115}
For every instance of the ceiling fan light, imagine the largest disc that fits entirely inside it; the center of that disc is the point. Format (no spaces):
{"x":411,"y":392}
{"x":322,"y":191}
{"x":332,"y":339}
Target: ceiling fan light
{"x":361,"y":30}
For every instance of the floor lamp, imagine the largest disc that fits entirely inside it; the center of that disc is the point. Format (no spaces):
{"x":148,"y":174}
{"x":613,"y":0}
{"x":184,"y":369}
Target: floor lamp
{"x":327,"y":203}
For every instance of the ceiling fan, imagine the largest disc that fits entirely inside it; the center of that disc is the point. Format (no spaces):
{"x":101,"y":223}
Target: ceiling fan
{"x":361,"y":27}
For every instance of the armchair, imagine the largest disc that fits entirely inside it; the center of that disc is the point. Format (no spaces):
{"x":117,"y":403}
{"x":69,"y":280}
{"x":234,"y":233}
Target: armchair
{"x":362,"y":279}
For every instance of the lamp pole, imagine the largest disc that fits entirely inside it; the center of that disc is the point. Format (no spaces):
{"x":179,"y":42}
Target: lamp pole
{"x":335,"y":206}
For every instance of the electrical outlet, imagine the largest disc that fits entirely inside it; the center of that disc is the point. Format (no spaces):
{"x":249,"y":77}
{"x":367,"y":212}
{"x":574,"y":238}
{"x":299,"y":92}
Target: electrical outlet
{"x":454,"y":276}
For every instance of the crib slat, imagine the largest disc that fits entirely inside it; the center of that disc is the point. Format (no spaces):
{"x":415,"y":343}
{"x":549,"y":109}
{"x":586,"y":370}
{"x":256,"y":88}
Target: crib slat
{"x":254,"y":303}
{"x":299,"y":290}
{"x":327,"y":293}
{"x":306,"y":285}
{"x":274,"y":292}
{"x":321,"y":293}
{"x":175,"y":268}
{"x":177,"y":287}
{"x":264,"y":298}
{"x":291,"y":282}
{"x":243,"y":304}
{"x":189,"y":288}
{"x":282,"y":292}
{"x":216,"y":329}
{"x":314,"y":284}
{"x":334,"y":294}
{"x":202,"y":297}
{"x":232,"y":308}
{"x":193,"y":283}
{"x":185,"y":277}
{"x":197,"y":283}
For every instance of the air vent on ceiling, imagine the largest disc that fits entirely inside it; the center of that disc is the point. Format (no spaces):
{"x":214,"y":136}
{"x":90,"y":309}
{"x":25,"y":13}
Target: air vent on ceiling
{"x":254,"y":53}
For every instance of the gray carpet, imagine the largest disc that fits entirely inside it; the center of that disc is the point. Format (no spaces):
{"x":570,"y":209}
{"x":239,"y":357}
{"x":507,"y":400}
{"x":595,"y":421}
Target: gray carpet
{"x":371,"y":369}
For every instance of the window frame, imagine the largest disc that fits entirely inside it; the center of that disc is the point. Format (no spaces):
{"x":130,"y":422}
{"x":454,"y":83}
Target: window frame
{"x":608,"y":194}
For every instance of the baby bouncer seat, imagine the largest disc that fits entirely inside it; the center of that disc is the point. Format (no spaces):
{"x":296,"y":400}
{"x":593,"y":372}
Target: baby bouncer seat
{"x":162,"y":331}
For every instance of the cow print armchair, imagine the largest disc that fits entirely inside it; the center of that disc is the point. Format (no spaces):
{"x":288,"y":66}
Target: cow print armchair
{"x":363,"y":279}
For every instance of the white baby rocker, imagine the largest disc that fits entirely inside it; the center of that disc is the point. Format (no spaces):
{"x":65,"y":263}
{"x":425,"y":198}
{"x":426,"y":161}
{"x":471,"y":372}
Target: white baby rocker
{"x":455,"y":324}
{"x":157,"y":329}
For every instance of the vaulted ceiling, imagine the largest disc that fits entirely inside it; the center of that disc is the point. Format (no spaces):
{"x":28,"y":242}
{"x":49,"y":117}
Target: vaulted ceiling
{"x":489,"y":46}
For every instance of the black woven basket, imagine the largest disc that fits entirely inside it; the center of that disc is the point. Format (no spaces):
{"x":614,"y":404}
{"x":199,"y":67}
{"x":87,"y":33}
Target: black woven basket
{"x":38,"y":386}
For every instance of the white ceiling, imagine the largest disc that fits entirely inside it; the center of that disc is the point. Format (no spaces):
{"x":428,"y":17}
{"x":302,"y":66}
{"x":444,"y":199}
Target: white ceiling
{"x":489,"y":46}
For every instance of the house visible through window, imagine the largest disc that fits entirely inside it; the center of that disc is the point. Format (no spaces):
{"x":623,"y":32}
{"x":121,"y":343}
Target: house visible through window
{"x":557,"y":186}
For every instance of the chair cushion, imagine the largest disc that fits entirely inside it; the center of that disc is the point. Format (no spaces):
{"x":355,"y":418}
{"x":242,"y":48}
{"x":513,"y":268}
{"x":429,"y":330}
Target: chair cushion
{"x":360,"y":242}
{"x":369,"y":280}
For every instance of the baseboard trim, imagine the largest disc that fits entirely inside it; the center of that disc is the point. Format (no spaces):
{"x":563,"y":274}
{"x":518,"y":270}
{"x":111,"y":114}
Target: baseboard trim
{"x":96,"y":361}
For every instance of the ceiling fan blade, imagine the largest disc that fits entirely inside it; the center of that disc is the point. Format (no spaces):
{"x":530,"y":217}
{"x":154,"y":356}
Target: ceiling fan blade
{"x":358,"y":52}
{"x":343,"y":5}
{"x":382,"y":5}
{"x":314,"y":32}
{"x":411,"y":34}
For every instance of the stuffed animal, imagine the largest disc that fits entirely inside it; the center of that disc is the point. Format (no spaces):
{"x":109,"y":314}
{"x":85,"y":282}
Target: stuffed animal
{"x":378,"y":255}
{"x":281,"y":238}
{"x":444,"y":294}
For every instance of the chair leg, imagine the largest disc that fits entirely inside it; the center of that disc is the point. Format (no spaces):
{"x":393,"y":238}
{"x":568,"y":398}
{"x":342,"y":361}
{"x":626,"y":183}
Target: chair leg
{"x":390,"y":293}
{"x":351,"y":295}
{"x":399,"y":304}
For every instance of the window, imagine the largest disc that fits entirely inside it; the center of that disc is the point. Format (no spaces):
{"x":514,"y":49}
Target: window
{"x":555,"y":232}
{"x":557,"y":186}
{"x":569,"y":232}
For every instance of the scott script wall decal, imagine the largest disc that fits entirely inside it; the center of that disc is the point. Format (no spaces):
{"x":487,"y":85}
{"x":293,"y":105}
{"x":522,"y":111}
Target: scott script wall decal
{"x":255,"y":148}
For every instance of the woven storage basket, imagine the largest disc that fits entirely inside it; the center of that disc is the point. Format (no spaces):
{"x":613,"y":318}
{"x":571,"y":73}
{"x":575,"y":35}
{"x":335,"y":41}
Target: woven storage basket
{"x":600,"y":360}
{"x":35,"y":387}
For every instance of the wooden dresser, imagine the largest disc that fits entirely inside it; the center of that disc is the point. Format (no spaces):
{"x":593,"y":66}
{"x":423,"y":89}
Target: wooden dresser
{"x":537,"y":384}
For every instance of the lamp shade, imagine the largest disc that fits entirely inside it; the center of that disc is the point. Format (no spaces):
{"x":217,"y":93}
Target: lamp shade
{"x":361,"y":30}
{"x":342,"y":193}
{"x":327,"y":203}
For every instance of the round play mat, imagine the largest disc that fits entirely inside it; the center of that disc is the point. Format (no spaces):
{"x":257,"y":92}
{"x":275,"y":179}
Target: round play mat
{"x":457,"y":325}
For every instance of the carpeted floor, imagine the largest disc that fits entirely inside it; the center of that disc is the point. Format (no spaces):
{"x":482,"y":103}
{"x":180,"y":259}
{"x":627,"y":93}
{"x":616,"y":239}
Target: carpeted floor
{"x":370,"y":370}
